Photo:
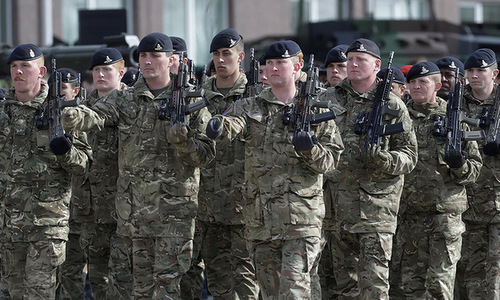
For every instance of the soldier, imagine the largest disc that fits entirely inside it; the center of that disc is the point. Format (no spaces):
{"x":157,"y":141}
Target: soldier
{"x":180,"y":48}
{"x":158,"y":180}
{"x":36,"y":181}
{"x":94,"y":195}
{"x":366,"y":200}
{"x":131,"y":76}
{"x":283,"y":185}
{"x":479,"y":268}
{"x":229,"y":267}
{"x":398,"y":82}
{"x":71,"y":273}
{"x":336,"y":65}
{"x":429,"y":234}
{"x":447,"y":66}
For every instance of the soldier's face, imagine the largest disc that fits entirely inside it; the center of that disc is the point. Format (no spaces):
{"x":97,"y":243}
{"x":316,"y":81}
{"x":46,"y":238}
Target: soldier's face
{"x":447,"y":80}
{"x":423,"y":89}
{"x":336,"y":72}
{"x":26,"y":75}
{"x":281,"y":72}
{"x":226,"y":61}
{"x":362,"y":66}
{"x":106,"y":78}
{"x":155,"y":65}
{"x":481,"y":78}
{"x":69,"y":90}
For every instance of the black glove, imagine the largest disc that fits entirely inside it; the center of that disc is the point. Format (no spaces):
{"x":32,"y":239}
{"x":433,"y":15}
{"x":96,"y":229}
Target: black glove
{"x":491,"y":148}
{"x":214,"y":128}
{"x":303,"y":141}
{"x":61,"y":144}
{"x":455,"y":159}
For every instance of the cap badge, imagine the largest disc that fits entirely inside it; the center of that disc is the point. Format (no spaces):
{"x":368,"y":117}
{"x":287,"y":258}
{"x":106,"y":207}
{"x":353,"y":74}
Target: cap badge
{"x":342,"y":54}
{"x":68,"y":76}
{"x":362,"y":48}
{"x":286,"y":54}
{"x":108,"y":60}
{"x":158,"y":47}
{"x":424,"y":71}
{"x":232,"y":43}
{"x":452,"y":65}
{"x":483,"y":63}
{"x":32,"y":53}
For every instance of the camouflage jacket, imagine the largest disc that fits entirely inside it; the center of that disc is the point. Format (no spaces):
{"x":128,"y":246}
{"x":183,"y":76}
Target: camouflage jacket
{"x":283,"y":189}
{"x":157,"y":187}
{"x":433,"y":186}
{"x":93,"y":198}
{"x":36,"y":183}
{"x":484,"y":194}
{"x":367,"y":198}
{"x":220,"y":198}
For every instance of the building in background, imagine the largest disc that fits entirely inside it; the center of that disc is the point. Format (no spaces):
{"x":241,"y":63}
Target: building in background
{"x":428,"y":28}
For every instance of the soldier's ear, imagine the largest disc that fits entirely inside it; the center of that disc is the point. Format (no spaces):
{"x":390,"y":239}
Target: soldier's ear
{"x":241,"y":56}
{"x":43,"y":71}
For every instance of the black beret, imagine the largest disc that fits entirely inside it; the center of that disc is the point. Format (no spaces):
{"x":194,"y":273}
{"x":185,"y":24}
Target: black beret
{"x":282,"y":49}
{"x":451,"y":63}
{"x":398,"y":75}
{"x":155,"y":42}
{"x":68,"y":75}
{"x":421,"y":69}
{"x":25,"y":52}
{"x":262,"y":59}
{"x":336,"y":54}
{"x":104,"y":57}
{"x":130,"y":77}
{"x":178,"y":44}
{"x":481,"y":58}
{"x":227,"y":38}
{"x":364,"y":46}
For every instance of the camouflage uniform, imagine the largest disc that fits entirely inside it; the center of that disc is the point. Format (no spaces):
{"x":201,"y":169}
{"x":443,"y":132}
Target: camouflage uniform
{"x":479,"y":269}
{"x":35,"y":209}
{"x":366,"y":200}
{"x":434,"y":198}
{"x":93,"y":206}
{"x":157,"y":187}
{"x":230,"y":270}
{"x":283,"y":196}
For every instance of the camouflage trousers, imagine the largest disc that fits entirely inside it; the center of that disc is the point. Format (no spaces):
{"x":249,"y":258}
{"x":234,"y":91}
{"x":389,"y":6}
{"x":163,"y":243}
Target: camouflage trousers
{"x":29,"y":269}
{"x":478,"y":273}
{"x":71,"y":274}
{"x":335,"y":281}
{"x":155,"y":267}
{"x":283,"y":267}
{"x":372,"y":251}
{"x":95,"y":241}
{"x":430,"y":245}
{"x":229,"y":267}
{"x":192,"y":281}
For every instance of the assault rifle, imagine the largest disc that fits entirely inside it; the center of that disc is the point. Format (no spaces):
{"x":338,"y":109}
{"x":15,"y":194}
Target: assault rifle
{"x":252,"y":87}
{"x":302,"y":116}
{"x":203,"y":78}
{"x":50,"y":117}
{"x":372,"y":122}
{"x":491,"y":116}
{"x":176,"y":108}
{"x":449,"y":127}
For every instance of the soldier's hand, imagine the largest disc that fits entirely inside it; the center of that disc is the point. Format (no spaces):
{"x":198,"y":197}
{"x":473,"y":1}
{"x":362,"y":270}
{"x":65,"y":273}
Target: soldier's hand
{"x":178,"y":133}
{"x":303,"y":141}
{"x":455,"y":159}
{"x":377,"y":158}
{"x":69,"y":118}
{"x":214,"y":128}
{"x":61,"y":144}
{"x":491,"y":148}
